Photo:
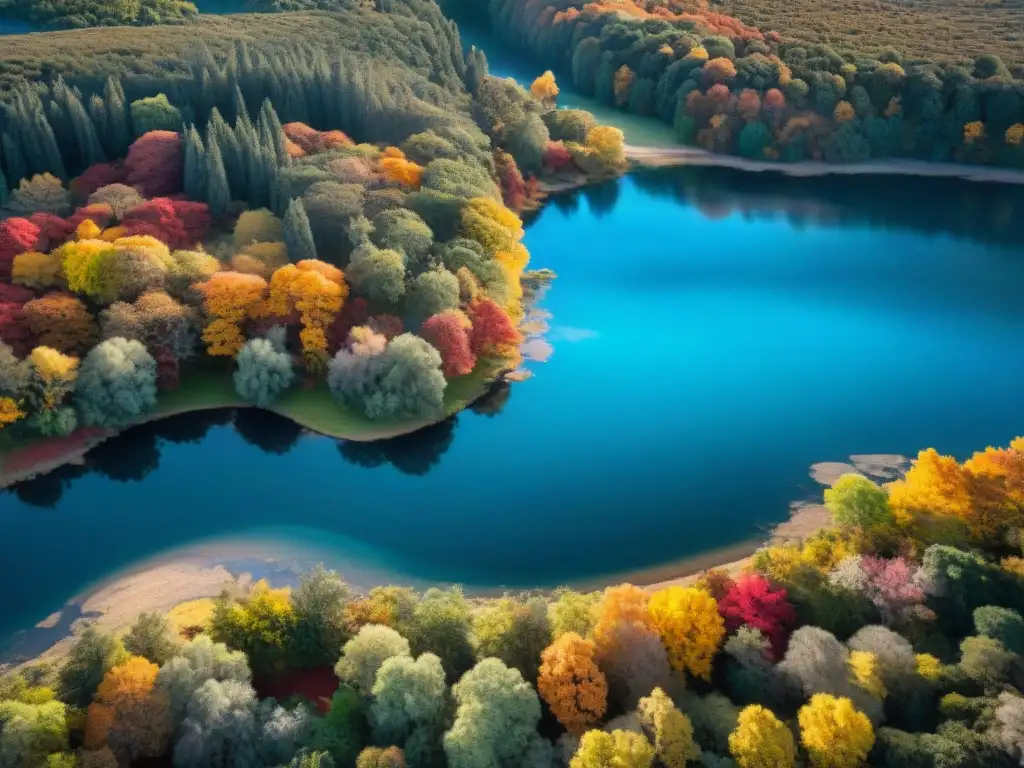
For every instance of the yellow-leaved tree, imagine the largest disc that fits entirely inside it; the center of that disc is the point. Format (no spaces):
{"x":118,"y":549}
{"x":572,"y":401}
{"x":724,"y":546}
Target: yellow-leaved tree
{"x":53,"y":374}
{"x":609,"y":145}
{"x":834,"y":733}
{"x":624,"y":603}
{"x":317,"y":291}
{"x":9,"y":412}
{"x":128,"y":715}
{"x":618,"y":749}
{"x":572,"y":684}
{"x":229,"y":297}
{"x":669,"y":729}
{"x":690,"y":627}
{"x":761,"y":740}
{"x":545,"y":89}
{"x":865,"y":673}
{"x":36,"y":270}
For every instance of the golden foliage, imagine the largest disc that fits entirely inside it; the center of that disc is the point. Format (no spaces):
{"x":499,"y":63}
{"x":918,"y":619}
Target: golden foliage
{"x":571,"y":683}
{"x":761,"y":740}
{"x":624,"y":603}
{"x":53,"y":367}
{"x":690,"y":627}
{"x":36,"y":270}
{"x":229,"y":297}
{"x":9,"y":412}
{"x":844,"y":112}
{"x":1015,"y":135}
{"x":609,"y":144}
{"x":834,"y":733}
{"x":719,"y":70}
{"x":618,"y":749}
{"x":672,"y":730}
{"x":928,"y":667}
{"x":544,"y":88}
{"x":249,"y":265}
{"x":403,"y":171}
{"x":623,"y":85}
{"x":699,"y":53}
{"x":317,"y":291}
{"x":121,"y":689}
{"x":974,"y":132}
{"x":865,"y":674}
{"x":82,"y":265}
{"x":88,"y":230}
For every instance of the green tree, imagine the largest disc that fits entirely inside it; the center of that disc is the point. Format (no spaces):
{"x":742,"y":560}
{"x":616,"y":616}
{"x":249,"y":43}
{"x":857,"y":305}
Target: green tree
{"x":855,"y":501}
{"x":495,"y":721}
{"x":218,"y":190}
{"x":514,"y":631}
{"x":155,"y":113}
{"x":407,"y":695}
{"x":297,"y":234}
{"x":364,"y":654}
{"x":319,"y":605}
{"x":441,"y":624}
{"x":30,"y":732}
{"x":150,"y":637}
{"x":342,"y":731}
{"x":1002,"y":624}
{"x":93,"y":655}
{"x":116,"y":383}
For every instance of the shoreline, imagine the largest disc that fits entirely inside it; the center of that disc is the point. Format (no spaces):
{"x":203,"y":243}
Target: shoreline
{"x":203,"y":569}
{"x":670,"y":157}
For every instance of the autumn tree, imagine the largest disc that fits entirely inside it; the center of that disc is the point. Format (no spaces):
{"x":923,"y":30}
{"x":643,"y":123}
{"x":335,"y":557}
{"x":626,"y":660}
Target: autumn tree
{"x":93,"y":655}
{"x":609,"y":144}
{"x":690,"y":626}
{"x":668,"y":729}
{"x":572,"y":684}
{"x":761,"y":740}
{"x":754,"y":602}
{"x":317,"y":291}
{"x":229,"y":297}
{"x":834,"y":733}
{"x":154,"y":164}
{"x":492,"y":333}
{"x":448,"y":332}
{"x":544,"y":89}
{"x":260,"y":625}
{"x":62,"y":322}
{"x":17,"y":235}
{"x":127,"y":715}
{"x":622,"y":749}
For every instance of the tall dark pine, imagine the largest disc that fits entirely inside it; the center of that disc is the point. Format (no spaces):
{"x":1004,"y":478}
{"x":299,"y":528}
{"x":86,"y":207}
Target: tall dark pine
{"x":218,"y":192}
{"x":118,"y":126}
{"x":194,"y":182}
{"x":270,"y":131}
{"x":297,"y":234}
{"x":14,"y":161}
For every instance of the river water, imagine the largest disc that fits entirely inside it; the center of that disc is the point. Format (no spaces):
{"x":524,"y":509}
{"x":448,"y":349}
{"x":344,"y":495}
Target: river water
{"x":712,"y":334}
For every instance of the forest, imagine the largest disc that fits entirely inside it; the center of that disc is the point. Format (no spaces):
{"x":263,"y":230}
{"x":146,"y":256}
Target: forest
{"x":311,"y":217}
{"x":891,"y":637}
{"x":730,"y":87}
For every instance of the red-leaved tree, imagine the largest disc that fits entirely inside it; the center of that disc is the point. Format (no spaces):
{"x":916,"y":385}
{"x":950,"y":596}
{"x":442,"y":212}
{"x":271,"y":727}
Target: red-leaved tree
{"x":754,"y":602}
{"x":556,"y":156}
{"x":154,"y":164}
{"x":94,"y":177}
{"x":195,"y":217}
{"x":101,"y":214}
{"x":513,"y":187}
{"x":53,"y":230}
{"x":353,"y":312}
{"x":447,"y":332}
{"x":17,"y":235}
{"x":158,"y":219}
{"x":14,"y":328}
{"x":387,"y":326}
{"x":492,"y":328}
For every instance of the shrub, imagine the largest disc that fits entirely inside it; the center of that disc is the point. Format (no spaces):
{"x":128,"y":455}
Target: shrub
{"x":263,"y":373}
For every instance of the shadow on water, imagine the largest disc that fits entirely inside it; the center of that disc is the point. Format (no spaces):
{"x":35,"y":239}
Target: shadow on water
{"x":983,"y":212}
{"x":135,"y":454}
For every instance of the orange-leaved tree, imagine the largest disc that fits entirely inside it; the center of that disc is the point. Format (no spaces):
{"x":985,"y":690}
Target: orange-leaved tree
{"x":317,"y":291}
{"x":229,"y":298}
{"x":545,"y":89}
{"x":624,"y":603}
{"x":128,"y":715}
{"x":690,"y":627}
{"x":572,"y":684}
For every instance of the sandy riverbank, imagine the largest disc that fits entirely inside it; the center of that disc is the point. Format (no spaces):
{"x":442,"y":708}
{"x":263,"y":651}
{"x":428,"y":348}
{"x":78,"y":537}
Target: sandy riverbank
{"x":207,"y":568}
{"x":665,"y":157}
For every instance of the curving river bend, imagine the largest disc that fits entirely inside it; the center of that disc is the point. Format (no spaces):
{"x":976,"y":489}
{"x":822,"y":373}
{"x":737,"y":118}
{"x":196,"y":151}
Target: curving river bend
{"x":712,"y":334}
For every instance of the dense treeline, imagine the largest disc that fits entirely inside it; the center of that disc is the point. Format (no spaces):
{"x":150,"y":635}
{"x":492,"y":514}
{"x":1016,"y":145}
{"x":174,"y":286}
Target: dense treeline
{"x":892,"y":638}
{"x":244,"y":212}
{"x":99,"y":13}
{"x":732,"y":88}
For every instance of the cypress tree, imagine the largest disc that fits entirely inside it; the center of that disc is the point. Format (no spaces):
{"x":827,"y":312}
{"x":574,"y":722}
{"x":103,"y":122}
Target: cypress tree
{"x":195,"y":164}
{"x":14,"y":161}
{"x":53,"y":162}
{"x":118,"y":128}
{"x":89,"y":149}
{"x":270,"y":127}
{"x":98,"y":116}
{"x":297,"y":234}
{"x":219,"y":132}
{"x":4,"y":189}
{"x":218,"y":192}
{"x":241,"y":109}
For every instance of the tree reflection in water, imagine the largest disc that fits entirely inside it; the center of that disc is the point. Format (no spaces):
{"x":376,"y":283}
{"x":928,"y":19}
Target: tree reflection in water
{"x":412,"y":454}
{"x":267,"y":431}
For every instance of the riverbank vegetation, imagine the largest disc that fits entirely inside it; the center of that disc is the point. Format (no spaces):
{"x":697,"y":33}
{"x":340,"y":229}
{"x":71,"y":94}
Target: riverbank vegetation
{"x":729,"y":87}
{"x":893,"y":637}
{"x":308,"y":217}
{"x":68,"y":14}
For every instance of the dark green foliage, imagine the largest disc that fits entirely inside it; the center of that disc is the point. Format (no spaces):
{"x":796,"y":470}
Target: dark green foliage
{"x":441,"y":624}
{"x":569,"y":124}
{"x":320,"y":630}
{"x":343,"y":730}
{"x":966,"y":581}
{"x":297,"y":234}
{"x":150,"y":637}
{"x":987,"y":662}
{"x":218,"y":191}
{"x":91,"y":657}
{"x":155,"y":113}
{"x":1001,"y":624}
